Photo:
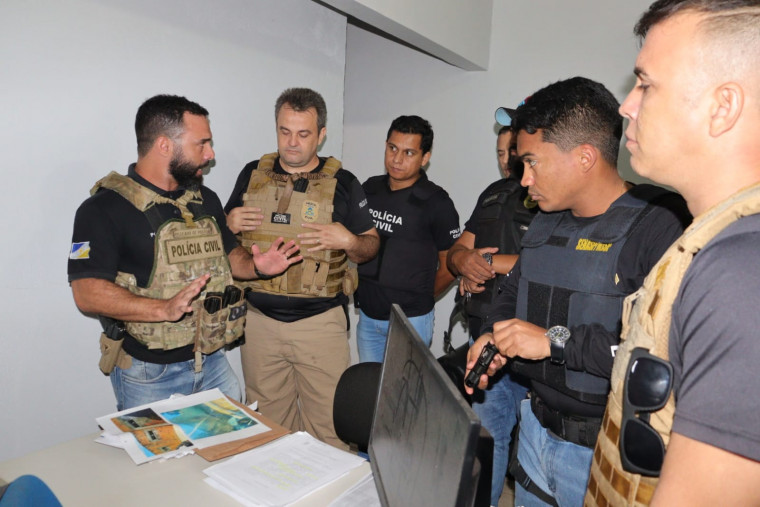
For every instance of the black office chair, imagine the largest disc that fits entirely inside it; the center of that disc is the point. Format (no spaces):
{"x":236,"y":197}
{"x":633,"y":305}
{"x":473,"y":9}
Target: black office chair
{"x":354,"y":405}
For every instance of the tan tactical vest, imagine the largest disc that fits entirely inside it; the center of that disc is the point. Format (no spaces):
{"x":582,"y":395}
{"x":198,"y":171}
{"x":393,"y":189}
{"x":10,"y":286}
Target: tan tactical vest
{"x":646,"y":323}
{"x":184,"y":250}
{"x":321,"y":274}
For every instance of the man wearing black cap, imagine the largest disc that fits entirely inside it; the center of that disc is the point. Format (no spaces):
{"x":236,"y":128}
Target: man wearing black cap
{"x":558,"y":315}
{"x":482,"y":256}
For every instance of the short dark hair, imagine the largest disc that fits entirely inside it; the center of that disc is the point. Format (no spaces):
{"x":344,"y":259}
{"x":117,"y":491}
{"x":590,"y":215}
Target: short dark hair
{"x":664,"y":9}
{"x":413,"y":125}
{"x":162,"y":115}
{"x":573,"y":112}
{"x":505,"y":129}
{"x":301,"y":99}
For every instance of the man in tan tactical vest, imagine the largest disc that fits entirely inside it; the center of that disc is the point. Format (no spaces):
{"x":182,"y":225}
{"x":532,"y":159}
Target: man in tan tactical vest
{"x":297,"y":330}
{"x":152,"y":257}
{"x":682,"y":425}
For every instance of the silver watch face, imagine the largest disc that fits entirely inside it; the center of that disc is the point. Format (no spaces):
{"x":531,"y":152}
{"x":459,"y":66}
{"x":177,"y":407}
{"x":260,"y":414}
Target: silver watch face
{"x":558,"y":334}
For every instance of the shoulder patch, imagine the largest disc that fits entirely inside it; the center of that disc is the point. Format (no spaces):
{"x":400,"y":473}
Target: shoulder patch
{"x":80,"y":250}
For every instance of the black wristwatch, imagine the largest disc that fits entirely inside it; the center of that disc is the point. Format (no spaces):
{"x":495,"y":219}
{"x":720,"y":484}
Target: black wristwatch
{"x":260,"y":275}
{"x":558,"y":336}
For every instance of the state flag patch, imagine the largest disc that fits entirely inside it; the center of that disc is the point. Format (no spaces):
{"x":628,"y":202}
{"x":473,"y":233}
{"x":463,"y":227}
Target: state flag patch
{"x":80,"y":250}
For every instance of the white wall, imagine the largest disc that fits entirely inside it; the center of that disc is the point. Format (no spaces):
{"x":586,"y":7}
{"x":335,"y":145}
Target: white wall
{"x":533,"y":43}
{"x":457,"y":32}
{"x":72,"y":75}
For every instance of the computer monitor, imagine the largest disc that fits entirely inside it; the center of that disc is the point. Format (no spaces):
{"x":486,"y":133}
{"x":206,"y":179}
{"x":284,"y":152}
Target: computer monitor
{"x":426,"y":446}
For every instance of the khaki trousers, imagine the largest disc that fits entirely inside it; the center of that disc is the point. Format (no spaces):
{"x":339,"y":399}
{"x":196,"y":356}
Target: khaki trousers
{"x":292,"y":369}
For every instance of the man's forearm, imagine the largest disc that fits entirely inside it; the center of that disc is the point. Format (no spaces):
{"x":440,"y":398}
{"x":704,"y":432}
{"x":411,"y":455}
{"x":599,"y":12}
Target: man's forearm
{"x":102,"y":297}
{"x":503,"y":263}
{"x":364,"y":247}
{"x":456,"y":249}
{"x":465,"y":242}
{"x":241,"y":263}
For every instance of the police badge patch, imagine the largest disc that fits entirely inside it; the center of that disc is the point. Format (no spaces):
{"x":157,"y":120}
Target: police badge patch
{"x":310,"y":211}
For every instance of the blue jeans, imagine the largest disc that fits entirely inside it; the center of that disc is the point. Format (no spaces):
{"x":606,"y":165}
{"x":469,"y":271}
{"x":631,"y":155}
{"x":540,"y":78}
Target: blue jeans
{"x":497,"y":407}
{"x":145,"y":382}
{"x":371,"y":335}
{"x":558,"y":467}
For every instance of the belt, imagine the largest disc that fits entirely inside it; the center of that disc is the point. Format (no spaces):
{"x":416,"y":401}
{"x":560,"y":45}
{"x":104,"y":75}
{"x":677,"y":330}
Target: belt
{"x":578,"y":430}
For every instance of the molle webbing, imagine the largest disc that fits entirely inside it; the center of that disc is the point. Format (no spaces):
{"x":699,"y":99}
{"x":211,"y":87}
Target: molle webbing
{"x":287,"y":201}
{"x":144,"y":198}
{"x":647,"y":317}
{"x":184,"y":250}
{"x":584,"y":292}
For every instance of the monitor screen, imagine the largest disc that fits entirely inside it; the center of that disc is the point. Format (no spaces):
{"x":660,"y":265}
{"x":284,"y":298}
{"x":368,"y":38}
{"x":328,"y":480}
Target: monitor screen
{"x":425,"y":439}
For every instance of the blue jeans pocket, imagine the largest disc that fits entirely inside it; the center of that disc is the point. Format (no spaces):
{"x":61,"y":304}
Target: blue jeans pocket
{"x":144,"y":373}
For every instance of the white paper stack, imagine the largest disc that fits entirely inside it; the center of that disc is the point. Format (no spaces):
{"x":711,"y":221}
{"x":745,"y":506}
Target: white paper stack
{"x":281,"y":472}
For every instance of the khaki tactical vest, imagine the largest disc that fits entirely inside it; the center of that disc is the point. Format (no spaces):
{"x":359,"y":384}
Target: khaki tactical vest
{"x":646,"y":324}
{"x":184,"y":250}
{"x":321,"y":274}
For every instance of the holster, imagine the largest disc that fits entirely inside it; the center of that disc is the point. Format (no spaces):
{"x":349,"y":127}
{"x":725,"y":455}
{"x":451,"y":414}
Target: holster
{"x":112,"y":355}
{"x":350,"y":280}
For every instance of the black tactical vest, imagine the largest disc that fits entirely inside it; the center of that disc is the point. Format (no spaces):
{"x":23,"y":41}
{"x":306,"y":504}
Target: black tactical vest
{"x":503,"y":217}
{"x":568,"y":278}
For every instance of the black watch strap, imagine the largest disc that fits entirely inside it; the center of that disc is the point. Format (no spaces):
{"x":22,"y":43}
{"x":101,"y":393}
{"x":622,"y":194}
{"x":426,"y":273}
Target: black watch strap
{"x":260,"y":275}
{"x":557,"y":352}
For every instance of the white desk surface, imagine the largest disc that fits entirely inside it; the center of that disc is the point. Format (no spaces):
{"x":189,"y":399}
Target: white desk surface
{"x":83,"y":473}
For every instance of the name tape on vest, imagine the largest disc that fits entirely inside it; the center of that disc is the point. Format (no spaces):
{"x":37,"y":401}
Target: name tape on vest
{"x":280,"y":218}
{"x":592,"y":246}
{"x":192,"y":249}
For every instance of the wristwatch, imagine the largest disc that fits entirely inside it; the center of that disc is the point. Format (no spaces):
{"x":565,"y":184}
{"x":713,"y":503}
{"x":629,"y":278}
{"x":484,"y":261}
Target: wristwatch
{"x":558,"y":336}
{"x":489,"y":258}
{"x":260,"y":275}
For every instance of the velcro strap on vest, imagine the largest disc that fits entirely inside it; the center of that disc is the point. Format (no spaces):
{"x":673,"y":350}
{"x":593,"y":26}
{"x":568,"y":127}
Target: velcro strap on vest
{"x":578,"y":430}
{"x":282,"y":206}
{"x":308,"y":273}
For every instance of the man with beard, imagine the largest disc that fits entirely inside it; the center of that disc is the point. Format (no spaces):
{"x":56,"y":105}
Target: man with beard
{"x":152,"y":256}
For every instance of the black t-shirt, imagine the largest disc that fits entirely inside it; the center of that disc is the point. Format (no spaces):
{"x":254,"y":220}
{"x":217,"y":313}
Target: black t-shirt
{"x":589,"y":348}
{"x":119,"y":238}
{"x":414,"y":224}
{"x":350,"y":209}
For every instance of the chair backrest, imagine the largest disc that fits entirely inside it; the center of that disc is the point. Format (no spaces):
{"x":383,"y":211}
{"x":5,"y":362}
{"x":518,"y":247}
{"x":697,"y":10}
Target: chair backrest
{"x":28,"y":490}
{"x":354,"y":406}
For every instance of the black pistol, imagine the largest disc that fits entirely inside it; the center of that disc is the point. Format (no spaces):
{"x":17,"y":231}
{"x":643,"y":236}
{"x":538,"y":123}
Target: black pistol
{"x":481,"y":366}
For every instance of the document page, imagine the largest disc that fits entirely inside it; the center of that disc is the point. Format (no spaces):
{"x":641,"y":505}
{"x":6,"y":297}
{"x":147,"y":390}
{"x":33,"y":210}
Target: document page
{"x":283,"y":471}
{"x":169,"y":427}
{"x":363,"y":493}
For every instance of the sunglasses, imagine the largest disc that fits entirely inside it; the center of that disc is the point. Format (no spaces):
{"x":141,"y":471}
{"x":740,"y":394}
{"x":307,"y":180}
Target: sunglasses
{"x":648,"y":383}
